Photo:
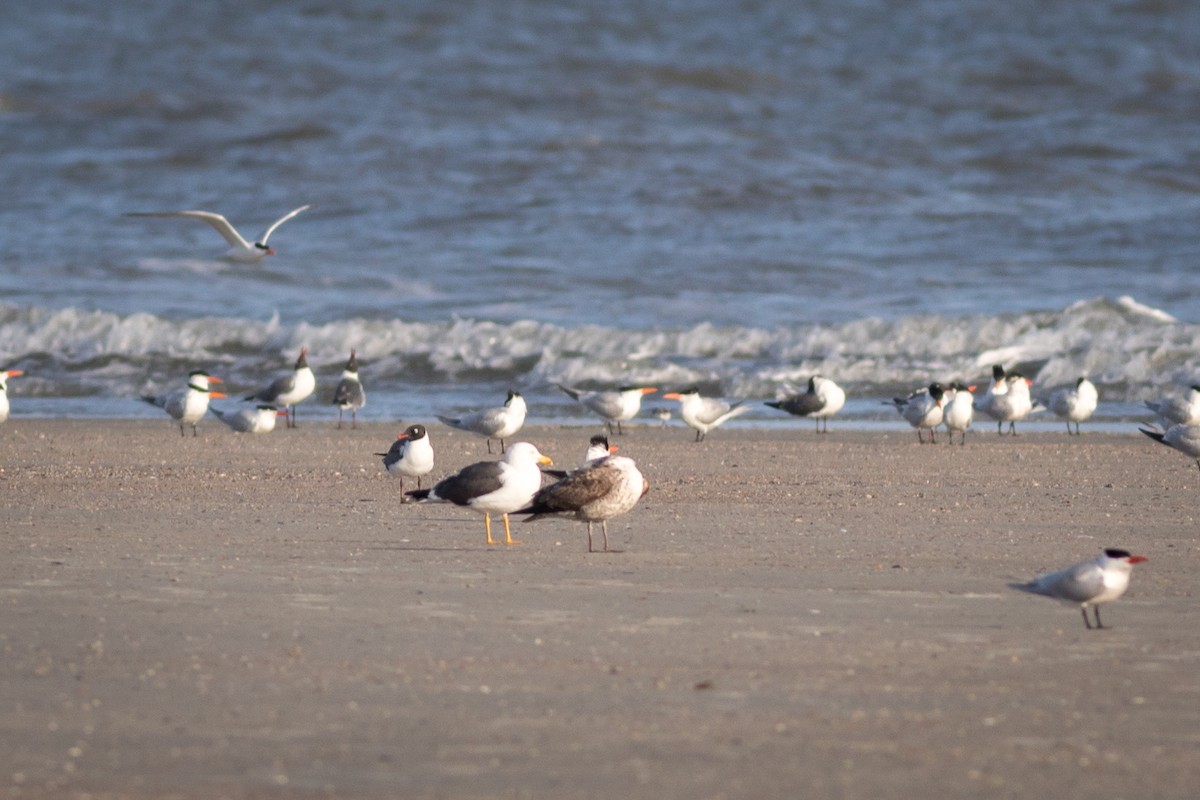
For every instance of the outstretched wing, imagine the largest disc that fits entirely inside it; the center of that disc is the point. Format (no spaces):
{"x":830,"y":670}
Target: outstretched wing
{"x":267,"y":233}
{"x":218,"y":222}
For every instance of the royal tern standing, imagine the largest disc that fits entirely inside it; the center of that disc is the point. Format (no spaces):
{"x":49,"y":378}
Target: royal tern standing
{"x":290,"y":390}
{"x":493,"y":487}
{"x":1184,"y":438}
{"x":922,"y":409}
{"x":5,"y":374}
{"x":240,"y":250}
{"x":1089,"y":583}
{"x":959,"y":411}
{"x":602,"y":489}
{"x":1177,"y":410}
{"x":410,"y":456}
{"x":823,"y":399}
{"x":187,"y":405}
{"x":260,"y":419}
{"x":1076,"y":404}
{"x":598,"y":448}
{"x":1010,"y":403}
{"x":349,"y":394}
{"x":502,"y":422}
{"x":614,"y":407}
{"x":702,"y":414}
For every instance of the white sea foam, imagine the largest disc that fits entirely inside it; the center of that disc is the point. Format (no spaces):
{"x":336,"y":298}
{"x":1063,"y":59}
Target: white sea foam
{"x":1132,"y":352}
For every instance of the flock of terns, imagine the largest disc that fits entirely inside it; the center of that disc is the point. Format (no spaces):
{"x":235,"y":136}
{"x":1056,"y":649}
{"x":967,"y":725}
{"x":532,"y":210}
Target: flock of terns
{"x":606,"y":485}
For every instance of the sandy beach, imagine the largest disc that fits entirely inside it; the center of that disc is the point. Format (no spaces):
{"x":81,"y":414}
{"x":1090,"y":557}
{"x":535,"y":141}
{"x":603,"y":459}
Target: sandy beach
{"x":786,"y":615}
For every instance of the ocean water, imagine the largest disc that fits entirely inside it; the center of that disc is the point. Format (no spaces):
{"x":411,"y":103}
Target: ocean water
{"x":734,"y":195}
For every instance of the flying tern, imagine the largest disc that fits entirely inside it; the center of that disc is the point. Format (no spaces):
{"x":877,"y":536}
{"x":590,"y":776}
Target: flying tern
{"x":239,"y":250}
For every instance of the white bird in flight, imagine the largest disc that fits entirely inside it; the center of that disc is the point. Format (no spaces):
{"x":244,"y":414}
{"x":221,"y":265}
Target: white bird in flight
{"x":240,"y":250}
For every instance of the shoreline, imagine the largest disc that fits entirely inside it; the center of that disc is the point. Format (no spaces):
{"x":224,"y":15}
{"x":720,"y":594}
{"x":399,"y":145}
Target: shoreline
{"x":255,"y":616}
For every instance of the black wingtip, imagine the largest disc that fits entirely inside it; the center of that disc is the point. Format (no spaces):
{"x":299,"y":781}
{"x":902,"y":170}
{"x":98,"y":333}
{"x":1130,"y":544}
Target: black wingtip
{"x":418,"y":494}
{"x":773,"y":404}
{"x":1155,"y":435}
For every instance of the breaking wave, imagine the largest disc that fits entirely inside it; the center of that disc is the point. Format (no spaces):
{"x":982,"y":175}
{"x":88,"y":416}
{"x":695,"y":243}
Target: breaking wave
{"x":1132,"y":352}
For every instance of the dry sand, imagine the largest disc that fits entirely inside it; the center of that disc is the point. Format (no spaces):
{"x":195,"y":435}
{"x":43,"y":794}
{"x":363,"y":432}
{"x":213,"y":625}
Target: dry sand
{"x":789,"y":615}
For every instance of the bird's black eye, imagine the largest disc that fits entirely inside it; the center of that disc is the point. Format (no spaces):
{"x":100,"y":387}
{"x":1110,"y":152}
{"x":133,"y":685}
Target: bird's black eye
{"x":260,"y":246}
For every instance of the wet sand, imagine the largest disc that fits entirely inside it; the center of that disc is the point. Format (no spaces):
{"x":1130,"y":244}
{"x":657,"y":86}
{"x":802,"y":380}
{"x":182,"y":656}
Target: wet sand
{"x":786,"y":615}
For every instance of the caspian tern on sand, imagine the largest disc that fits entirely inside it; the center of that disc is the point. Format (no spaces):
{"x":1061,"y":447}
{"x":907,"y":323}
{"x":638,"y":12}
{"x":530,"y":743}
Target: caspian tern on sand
{"x":290,"y":390}
{"x":1011,"y":403}
{"x":5,"y":374}
{"x":1075,"y":404}
{"x":958,"y":411}
{"x":502,"y":422}
{"x":240,"y":250}
{"x":1184,"y":438}
{"x":1177,"y":410}
{"x":614,"y":407}
{"x":492,"y":487}
{"x":1089,"y":583}
{"x":598,"y":448}
{"x":702,"y":414}
{"x":260,"y":419}
{"x":410,"y":456}
{"x":823,"y":399}
{"x":349,"y":394}
{"x":187,"y":405}
{"x":602,"y":489}
{"x":922,"y":409}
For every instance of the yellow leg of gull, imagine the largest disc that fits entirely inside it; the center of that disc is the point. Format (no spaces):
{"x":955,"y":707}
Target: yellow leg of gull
{"x":508,"y":539}
{"x":487,"y":526}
